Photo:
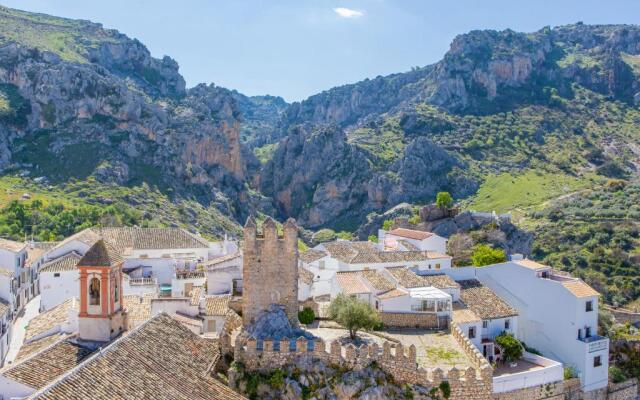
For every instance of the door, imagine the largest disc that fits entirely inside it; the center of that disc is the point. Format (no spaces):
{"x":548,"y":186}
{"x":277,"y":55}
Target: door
{"x":188,"y":287}
{"x":211,"y":325}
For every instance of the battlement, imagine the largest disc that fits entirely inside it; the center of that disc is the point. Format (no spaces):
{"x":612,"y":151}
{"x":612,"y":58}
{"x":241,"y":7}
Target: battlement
{"x":393,"y":358}
{"x":270,"y":269}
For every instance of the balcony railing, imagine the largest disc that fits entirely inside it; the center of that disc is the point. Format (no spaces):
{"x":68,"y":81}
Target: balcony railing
{"x":143,"y":281}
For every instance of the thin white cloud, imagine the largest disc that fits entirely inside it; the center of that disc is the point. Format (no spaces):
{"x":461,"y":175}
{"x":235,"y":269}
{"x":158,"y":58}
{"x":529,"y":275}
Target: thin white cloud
{"x":348,"y":13}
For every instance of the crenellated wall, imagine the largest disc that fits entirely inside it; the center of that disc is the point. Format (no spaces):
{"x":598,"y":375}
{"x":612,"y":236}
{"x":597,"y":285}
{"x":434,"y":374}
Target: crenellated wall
{"x":469,"y":348}
{"x":393,"y":358}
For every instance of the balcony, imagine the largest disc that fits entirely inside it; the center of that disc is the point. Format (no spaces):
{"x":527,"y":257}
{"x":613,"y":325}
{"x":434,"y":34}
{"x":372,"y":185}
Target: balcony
{"x":143,"y":281}
{"x":595,"y":343}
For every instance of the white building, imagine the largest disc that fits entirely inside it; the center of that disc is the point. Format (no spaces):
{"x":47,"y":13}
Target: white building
{"x":342,"y":256}
{"x":224,"y":274}
{"x":5,"y":329}
{"x":558,"y":316}
{"x":184,"y":282}
{"x":13,"y":256}
{"x":59,"y":280}
{"x":411,"y":240}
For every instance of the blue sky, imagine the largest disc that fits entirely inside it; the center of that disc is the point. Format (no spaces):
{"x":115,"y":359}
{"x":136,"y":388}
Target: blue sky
{"x":295,"y":48}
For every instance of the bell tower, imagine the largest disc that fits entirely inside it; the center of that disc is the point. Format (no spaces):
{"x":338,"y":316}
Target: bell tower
{"x":101,"y":316}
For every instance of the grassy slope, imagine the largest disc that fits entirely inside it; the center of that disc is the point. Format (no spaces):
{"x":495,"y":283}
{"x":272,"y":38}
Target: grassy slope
{"x":65,"y":37}
{"x":153,"y":207}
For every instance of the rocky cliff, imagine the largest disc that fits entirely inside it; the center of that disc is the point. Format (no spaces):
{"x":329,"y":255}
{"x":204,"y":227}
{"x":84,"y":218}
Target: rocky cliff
{"x":497,"y":101}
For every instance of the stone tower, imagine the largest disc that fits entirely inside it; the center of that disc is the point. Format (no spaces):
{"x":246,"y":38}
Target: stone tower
{"x":270,"y":269}
{"x":101,"y":316}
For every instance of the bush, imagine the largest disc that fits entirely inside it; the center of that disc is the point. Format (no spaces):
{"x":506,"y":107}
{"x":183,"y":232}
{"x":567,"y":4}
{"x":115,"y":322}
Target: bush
{"x":616,"y":374}
{"x":569,"y":372}
{"x":353,"y":314}
{"x":373,"y":238}
{"x":486,"y":255}
{"x":444,"y":200}
{"x":387,"y":224}
{"x":306,"y":316}
{"x":511,"y":347}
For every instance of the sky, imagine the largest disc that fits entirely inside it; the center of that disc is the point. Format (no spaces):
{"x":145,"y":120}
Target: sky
{"x":296,"y":48}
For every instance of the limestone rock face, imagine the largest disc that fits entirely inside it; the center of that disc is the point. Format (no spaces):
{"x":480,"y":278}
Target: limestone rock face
{"x":273,"y":323}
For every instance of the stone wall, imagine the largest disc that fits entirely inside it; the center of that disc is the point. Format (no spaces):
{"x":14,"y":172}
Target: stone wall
{"x":270,"y":270}
{"x":470,"y":350}
{"x":550,"y":391}
{"x":627,"y":390}
{"x":412,"y":320}
{"x":393,"y":358}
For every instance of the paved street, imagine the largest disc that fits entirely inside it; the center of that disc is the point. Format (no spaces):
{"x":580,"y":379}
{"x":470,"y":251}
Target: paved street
{"x":30,"y":311}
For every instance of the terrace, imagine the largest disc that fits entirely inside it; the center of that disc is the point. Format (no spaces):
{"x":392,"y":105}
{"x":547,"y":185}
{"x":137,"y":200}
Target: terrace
{"x":531,"y":370}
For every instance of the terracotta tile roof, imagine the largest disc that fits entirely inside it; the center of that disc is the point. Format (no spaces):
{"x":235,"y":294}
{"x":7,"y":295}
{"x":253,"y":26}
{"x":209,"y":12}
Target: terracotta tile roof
{"x":101,"y":254}
{"x":579,"y":288}
{"x":393,"y":293}
{"x":483,"y":301}
{"x":46,"y":246}
{"x":187,"y":320}
{"x":11,"y":245}
{"x":216,"y":305}
{"x":312,"y":255}
{"x":410,"y":279}
{"x":305,"y":275}
{"x":4,"y":307}
{"x":38,"y":345}
{"x":377,"y":280}
{"x":463,"y":315}
{"x":350,"y":283}
{"x":368,"y":253}
{"x":531,"y":264}
{"x":67,"y":262}
{"x":45,"y":366}
{"x":33,"y":255}
{"x":51,"y":319}
{"x":196,"y":295}
{"x":141,"y":238}
{"x":138,"y":307}
{"x":160,"y":359}
{"x":411,"y":233}
{"x":219,"y":260}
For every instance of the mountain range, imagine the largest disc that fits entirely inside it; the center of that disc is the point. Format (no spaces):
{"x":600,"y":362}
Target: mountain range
{"x":88,"y":116}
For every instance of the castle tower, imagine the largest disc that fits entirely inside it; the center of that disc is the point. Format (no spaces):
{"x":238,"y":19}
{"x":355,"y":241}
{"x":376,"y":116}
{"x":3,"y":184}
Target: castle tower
{"x":270,"y":269}
{"x":101,"y":317}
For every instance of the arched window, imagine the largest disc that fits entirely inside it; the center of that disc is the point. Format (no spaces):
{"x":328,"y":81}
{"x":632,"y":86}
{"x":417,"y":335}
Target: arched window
{"x":94,"y":292}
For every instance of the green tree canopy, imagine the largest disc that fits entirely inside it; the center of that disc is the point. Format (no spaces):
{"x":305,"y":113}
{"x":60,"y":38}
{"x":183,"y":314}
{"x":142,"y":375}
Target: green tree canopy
{"x":444,"y":200}
{"x":486,"y":255}
{"x":353,"y":314}
{"x":512,"y":348}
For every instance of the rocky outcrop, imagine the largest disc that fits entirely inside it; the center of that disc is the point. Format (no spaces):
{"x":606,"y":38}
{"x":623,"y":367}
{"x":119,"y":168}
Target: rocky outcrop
{"x":317,"y":176}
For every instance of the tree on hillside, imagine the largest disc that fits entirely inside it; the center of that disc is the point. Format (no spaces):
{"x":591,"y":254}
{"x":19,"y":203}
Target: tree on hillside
{"x":486,"y":255}
{"x":353,"y":314}
{"x":444,"y":200}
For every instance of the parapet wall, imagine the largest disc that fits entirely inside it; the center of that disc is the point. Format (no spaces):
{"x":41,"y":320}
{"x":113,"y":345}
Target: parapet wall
{"x":393,"y":358}
{"x":413,"y":320}
{"x":470,"y":350}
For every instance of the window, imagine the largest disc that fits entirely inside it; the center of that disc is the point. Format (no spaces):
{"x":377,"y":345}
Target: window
{"x":472,"y":332}
{"x":116,"y":294}
{"x":587,"y":332}
{"x":429,"y":266}
{"x":321,"y":264}
{"x":589,"y":306}
{"x":597,"y":361}
{"x":377,"y":304}
{"x":579,"y":334}
{"x":438,"y":266}
{"x":485,"y":324}
{"x":56,"y":274}
{"x":94,"y":292}
{"x":507,"y":324}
